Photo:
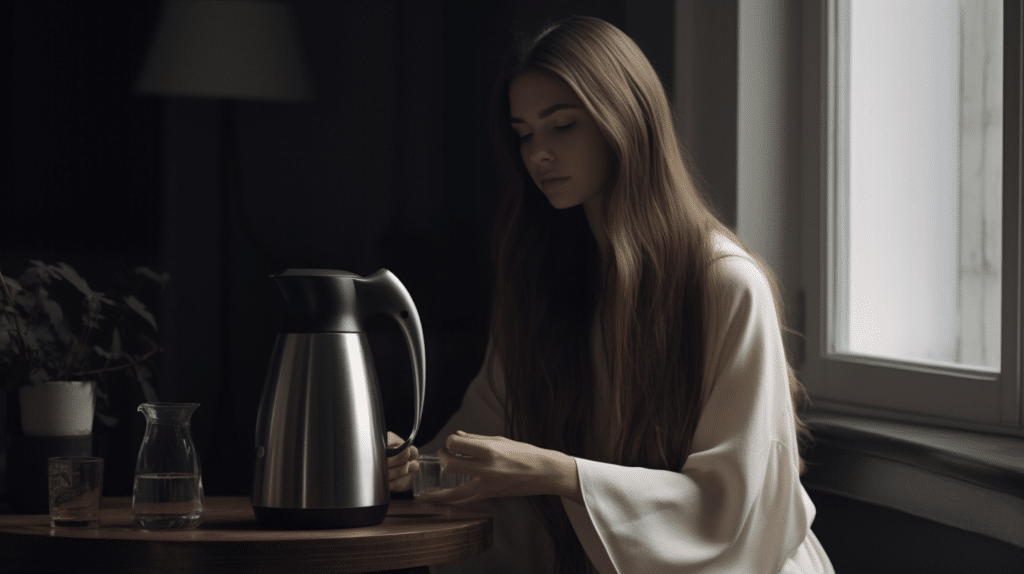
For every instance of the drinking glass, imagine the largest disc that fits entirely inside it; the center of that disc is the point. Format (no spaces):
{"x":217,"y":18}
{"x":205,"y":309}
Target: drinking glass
{"x":76,"y":486}
{"x":431,"y":477}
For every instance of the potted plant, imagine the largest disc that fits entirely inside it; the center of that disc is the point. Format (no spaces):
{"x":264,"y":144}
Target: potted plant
{"x":59,"y":342}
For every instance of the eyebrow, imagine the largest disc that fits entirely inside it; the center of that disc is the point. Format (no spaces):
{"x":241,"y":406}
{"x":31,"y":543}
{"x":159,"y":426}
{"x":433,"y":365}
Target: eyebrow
{"x":545,"y":113}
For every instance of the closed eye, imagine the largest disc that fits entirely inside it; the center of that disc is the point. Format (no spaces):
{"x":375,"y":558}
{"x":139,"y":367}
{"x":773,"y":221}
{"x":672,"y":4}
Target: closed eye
{"x":563,"y":128}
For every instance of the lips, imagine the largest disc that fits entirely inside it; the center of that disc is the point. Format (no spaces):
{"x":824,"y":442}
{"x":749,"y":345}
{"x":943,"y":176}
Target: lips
{"x":553,"y":180}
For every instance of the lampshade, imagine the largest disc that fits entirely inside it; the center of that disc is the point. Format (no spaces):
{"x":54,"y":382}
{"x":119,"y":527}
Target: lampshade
{"x":240,"y":49}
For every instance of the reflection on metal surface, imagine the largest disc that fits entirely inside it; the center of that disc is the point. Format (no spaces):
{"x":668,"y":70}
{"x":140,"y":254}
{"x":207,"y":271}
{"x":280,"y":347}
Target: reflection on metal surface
{"x":323,"y":440}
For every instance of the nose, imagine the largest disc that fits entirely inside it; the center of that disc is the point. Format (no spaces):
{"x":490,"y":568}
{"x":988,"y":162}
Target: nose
{"x":538,"y":153}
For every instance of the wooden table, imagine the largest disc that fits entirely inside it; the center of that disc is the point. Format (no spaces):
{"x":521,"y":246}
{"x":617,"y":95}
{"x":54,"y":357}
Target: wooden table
{"x":414,"y":534}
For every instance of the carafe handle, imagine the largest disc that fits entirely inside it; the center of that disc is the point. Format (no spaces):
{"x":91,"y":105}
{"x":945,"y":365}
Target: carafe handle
{"x":382,"y":292}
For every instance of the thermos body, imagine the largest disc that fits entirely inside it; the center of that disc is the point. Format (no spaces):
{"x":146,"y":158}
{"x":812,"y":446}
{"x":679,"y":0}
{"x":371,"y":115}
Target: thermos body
{"x":320,"y":435}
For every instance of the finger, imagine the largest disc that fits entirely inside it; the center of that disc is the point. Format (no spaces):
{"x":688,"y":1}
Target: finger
{"x":403,"y":482}
{"x":410,"y":453}
{"x":401,"y":485}
{"x":452,"y":464}
{"x":396,"y":472}
{"x":399,"y":459}
{"x":407,"y":469}
{"x":394,"y":440}
{"x":471,"y":435}
{"x":460,"y":445}
{"x":434,"y":496}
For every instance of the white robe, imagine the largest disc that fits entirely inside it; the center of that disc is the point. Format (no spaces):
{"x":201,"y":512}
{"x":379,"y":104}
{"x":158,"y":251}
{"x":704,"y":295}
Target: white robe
{"x":737,"y":505}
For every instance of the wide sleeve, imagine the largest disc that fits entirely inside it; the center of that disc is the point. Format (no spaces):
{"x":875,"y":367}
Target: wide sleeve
{"x":481,"y":412}
{"x":518,"y":545}
{"x":737,"y":504}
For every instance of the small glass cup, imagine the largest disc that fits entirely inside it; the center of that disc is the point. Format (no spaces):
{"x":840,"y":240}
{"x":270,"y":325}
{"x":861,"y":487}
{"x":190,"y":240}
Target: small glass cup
{"x":431,"y":478}
{"x":76,"y":486}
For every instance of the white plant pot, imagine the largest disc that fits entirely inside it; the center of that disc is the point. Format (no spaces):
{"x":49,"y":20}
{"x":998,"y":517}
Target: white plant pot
{"x":58,"y":408}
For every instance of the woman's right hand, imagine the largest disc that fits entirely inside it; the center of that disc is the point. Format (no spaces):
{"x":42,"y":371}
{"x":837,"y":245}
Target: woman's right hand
{"x":403,"y":466}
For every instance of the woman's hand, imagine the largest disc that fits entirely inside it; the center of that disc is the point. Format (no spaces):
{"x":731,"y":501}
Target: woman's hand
{"x":503,"y":467}
{"x":403,"y":466}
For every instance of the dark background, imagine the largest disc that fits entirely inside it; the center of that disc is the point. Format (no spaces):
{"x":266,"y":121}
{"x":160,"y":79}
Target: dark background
{"x":389,"y":166}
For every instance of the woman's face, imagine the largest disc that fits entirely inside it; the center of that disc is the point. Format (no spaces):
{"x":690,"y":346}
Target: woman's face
{"x":561,"y":145}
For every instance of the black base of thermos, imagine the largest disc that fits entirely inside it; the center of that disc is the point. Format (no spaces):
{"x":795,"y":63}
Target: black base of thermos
{"x":27,"y":488}
{"x":320,"y":518}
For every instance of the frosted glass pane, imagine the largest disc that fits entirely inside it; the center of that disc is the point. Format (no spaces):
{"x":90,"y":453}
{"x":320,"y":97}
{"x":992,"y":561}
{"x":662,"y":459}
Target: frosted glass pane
{"x":921,"y":268}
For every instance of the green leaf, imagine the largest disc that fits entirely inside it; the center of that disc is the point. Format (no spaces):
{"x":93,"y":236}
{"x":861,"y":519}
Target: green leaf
{"x":67,"y":272}
{"x":161,"y":279}
{"x":38,"y":376}
{"x":135,"y":305}
{"x":92,"y":316}
{"x":49,"y":329}
{"x":37,"y":275}
{"x":91,"y":320}
{"x":54,"y":312}
{"x":26,"y":300}
{"x":30,"y":341}
{"x":142,"y":373}
{"x":12,"y":285}
{"x":65,"y":335}
{"x":115,"y":344}
{"x":44,"y":335}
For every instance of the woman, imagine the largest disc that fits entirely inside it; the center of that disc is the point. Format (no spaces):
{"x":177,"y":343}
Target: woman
{"x":635,"y":412}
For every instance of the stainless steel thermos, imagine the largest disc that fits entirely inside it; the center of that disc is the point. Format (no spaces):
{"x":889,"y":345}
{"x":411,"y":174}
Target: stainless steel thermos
{"x":321,"y":443}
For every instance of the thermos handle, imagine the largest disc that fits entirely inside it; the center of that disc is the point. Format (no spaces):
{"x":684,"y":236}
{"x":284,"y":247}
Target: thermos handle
{"x":382,"y":292}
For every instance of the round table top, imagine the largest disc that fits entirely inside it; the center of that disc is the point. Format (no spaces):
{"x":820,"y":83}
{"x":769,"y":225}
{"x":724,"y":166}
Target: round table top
{"x":414,"y":533}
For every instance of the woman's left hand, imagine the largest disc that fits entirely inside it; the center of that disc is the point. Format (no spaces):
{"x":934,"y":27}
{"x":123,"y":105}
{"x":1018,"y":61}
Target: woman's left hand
{"x":502,"y":467}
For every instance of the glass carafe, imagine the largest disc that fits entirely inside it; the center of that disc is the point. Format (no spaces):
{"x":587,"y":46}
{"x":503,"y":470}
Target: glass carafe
{"x":168,"y":483}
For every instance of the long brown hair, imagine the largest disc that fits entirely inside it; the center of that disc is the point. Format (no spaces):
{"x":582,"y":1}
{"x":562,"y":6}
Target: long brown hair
{"x":651,"y":299}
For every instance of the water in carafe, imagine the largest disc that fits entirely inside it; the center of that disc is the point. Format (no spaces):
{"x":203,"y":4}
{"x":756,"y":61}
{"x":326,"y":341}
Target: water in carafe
{"x":168,"y":483}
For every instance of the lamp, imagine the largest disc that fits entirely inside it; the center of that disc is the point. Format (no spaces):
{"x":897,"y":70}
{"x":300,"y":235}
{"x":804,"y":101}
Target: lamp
{"x":240,"y":49}
{"x":226,"y":50}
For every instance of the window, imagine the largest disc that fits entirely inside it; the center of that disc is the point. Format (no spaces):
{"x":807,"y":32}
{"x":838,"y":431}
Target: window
{"x":917,"y":273}
{"x":917,"y":185}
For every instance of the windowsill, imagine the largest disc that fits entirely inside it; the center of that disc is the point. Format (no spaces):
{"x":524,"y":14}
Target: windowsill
{"x":967,"y":480}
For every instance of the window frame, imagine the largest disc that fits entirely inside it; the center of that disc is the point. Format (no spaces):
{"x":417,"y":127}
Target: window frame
{"x":930,"y":394}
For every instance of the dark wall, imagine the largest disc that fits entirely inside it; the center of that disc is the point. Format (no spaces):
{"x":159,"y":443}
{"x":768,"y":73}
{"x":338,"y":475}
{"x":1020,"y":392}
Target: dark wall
{"x":707,"y":101}
{"x":81,"y":175}
{"x":80,"y":168}
{"x":863,"y":538}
